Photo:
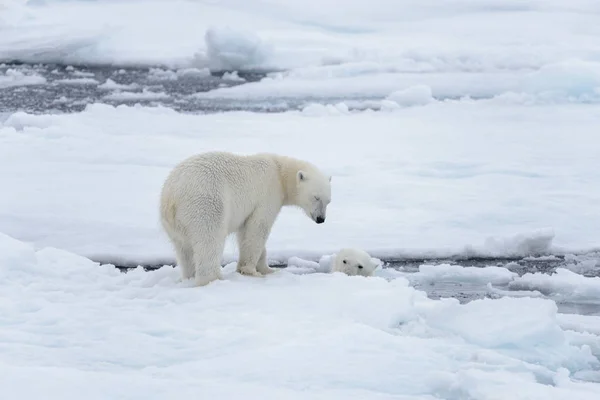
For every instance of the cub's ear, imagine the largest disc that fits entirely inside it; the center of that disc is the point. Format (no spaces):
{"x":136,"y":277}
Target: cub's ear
{"x":330,"y":178}
{"x":301,"y":176}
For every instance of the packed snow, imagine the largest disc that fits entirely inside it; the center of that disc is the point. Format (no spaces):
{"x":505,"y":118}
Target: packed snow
{"x":489,"y":274}
{"x":12,"y":78}
{"x":72,"y":325}
{"x":133,"y":96}
{"x":160,"y":74}
{"x":563,"y":283}
{"x":404,"y":183}
{"x":110,"y":84}
{"x":374,"y":48}
{"x":77,"y":81}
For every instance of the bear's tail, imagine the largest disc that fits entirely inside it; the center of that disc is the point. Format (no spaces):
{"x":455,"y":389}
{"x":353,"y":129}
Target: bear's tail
{"x":168,"y":217}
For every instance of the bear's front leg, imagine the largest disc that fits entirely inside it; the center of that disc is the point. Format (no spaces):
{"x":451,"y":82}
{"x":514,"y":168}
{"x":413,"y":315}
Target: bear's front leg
{"x":251,"y":241}
{"x":262,"y":266}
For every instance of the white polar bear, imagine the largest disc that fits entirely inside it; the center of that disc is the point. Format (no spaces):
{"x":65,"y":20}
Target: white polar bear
{"x":354,"y":262}
{"x":209,"y":196}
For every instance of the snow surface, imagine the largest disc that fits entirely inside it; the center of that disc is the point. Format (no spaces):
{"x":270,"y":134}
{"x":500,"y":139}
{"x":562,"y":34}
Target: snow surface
{"x":477,"y":48}
{"x":72,"y":326}
{"x":12,"y":77}
{"x":489,"y":274}
{"x":109,"y":84}
{"x":160,"y":74}
{"x":563,"y":283}
{"x":466,"y":178}
{"x":132,"y":96}
{"x":77,"y":81}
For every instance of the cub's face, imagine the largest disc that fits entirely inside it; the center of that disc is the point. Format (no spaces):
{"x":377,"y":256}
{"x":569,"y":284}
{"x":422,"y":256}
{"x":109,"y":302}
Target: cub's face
{"x":353,"y":266}
{"x":355,"y":262}
{"x":314,"y":194}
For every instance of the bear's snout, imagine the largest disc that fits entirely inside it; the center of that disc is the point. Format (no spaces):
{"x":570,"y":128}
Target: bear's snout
{"x":319,"y":220}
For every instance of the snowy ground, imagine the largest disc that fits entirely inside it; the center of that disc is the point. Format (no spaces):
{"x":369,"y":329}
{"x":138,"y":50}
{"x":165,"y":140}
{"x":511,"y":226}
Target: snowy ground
{"x":70,"y":325}
{"x":462,"y":140}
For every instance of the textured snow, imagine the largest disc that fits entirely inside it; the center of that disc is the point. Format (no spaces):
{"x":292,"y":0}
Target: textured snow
{"x":77,"y":81}
{"x":72,"y":326}
{"x":563,"y":283}
{"x":457,"y":48}
{"x":145,"y":94}
{"x":415,"y":182}
{"x":12,"y":77}
{"x":109,"y":84}
{"x":489,"y":274}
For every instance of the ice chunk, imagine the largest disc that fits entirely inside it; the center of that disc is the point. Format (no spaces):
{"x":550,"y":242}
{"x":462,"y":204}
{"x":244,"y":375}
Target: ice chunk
{"x":145,"y":94}
{"x":112,"y":85}
{"x":232,"y":50}
{"x":490,"y":274}
{"x":417,"y":95}
{"x":77,"y":81}
{"x":233,"y":76}
{"x":13,"y":77}
{"x":320,"y":110}
{"x":563,"y":283}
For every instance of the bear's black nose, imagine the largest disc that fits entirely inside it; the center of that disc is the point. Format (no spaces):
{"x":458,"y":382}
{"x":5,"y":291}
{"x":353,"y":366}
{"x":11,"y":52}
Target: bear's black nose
{"x":320,"y":220}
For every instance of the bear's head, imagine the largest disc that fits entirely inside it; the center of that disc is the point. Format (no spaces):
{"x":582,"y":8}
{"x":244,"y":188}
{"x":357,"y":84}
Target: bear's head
{"x":355,"y":262}
{"x":313,"y":193}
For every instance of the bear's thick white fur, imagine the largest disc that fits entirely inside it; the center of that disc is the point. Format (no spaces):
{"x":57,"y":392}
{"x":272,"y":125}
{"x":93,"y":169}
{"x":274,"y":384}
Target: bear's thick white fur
{"x":354,"y":262}
{"x":211,"y":195}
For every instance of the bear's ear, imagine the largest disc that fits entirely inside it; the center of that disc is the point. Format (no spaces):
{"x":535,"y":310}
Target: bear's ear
{"x":329,"y":178}
{"x":301,"y":176}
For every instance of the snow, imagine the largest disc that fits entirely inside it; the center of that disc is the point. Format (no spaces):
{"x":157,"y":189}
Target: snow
{"x":160,"y":74}
{"x":513,"y":293}
{"x":12,"y":78}
{"x":145,"y":94}
{"x":77,"y":81}
{"x":489,"y":274}
{"x":374,"y":49}
{"x":83,"y":74}
{"x":407,"y":36}
{"x":229,"y":49}
{"x":414,"y":95}
{"x":563,"y":283}
{"x":148,"y":334}
{"x":415,"y":182}
{"x":109,"y":84}
{"x":580,"y":323}
{"x":232,"y":76}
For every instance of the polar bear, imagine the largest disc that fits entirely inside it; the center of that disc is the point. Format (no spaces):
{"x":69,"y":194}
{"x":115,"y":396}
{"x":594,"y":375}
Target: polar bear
{"x":211,"y":195}
{"x":354,"y":262}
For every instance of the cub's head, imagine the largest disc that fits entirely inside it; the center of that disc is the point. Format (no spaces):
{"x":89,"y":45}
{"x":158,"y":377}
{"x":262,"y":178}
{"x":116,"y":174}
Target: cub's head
{"x":313,"y":193}
{"x":354,"y":262}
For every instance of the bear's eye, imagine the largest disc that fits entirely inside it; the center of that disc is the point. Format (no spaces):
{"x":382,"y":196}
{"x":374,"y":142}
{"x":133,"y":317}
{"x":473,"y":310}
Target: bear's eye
{"x":344,"y":262}
{"x":317,"y":198}
{"x":359,"y":266}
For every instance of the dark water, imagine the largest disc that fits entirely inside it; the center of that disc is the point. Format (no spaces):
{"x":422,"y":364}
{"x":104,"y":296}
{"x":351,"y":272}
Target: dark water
{"x":71,"y":89}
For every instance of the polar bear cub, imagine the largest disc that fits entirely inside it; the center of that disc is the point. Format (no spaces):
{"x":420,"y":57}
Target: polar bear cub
{"x":211,"y":195}
{"x":354,"y":262}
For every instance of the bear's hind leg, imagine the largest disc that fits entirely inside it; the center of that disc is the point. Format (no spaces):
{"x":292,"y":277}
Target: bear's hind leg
{"x":185,"y":259}
{"x":207,"y":260}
